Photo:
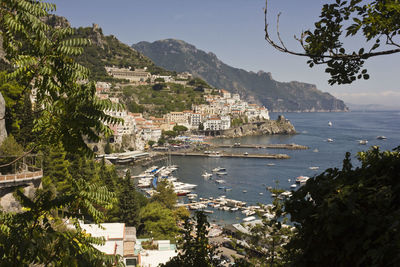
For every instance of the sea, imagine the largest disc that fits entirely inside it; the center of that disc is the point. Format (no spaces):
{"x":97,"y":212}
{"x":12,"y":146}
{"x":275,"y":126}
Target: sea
{"x":254,"y":175}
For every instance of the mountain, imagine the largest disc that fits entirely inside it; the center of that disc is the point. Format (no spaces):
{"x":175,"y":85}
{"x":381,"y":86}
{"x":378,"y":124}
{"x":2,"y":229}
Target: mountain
{"x":260,"y":87}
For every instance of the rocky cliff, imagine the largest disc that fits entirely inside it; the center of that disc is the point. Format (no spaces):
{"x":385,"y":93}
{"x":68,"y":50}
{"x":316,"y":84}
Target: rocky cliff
{"x":260,"y":87}
{"x":279,"y":126}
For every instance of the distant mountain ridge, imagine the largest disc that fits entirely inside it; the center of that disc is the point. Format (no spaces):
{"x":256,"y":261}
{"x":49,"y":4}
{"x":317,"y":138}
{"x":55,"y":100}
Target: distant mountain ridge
{"x":177,"y":55}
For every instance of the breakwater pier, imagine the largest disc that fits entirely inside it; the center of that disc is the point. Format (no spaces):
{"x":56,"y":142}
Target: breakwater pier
{"x":269,"y":146}
{"x":231,"y":155}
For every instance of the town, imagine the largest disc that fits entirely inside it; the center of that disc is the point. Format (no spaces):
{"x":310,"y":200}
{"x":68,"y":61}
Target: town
{"x":221,"y":111}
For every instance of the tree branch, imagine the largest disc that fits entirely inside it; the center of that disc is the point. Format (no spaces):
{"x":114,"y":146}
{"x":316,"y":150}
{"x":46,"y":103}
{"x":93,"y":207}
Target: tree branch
{"x":18,"y":158}
{"x":334,"y":56}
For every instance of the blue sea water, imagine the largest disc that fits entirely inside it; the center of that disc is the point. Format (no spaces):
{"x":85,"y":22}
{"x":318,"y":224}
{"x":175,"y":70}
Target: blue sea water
{"x":254,"y":175}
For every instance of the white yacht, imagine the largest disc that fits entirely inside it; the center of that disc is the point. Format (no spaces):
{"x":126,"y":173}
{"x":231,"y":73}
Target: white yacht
{"x":363,"y":142}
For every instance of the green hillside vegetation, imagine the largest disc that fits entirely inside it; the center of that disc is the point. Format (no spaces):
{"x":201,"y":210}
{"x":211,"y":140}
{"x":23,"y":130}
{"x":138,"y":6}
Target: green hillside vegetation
{"x":161,"y":98}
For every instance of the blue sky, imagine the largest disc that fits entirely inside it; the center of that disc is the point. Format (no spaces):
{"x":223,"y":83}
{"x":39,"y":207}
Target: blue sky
{"x":234,"y":31}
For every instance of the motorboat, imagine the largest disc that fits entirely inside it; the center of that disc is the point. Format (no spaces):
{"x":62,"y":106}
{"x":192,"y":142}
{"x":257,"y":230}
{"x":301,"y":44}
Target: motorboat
{"x":220,"y":181}
{"x":218,"y":169}
{"x":222,"y":173}
{"x":182,"y":192}
{"x":248,"y":219}
{"x":329,"y":140}
{"x":206,"y":175}
{"x":270,"y":164}
{"x":316,"y":150}
{"x":244,"y":191}
{"x":302,"y":179}
{"x":330,"y":124}
{"x":363,"y":142}
{"x":381,"y":137}
{"x":313,"y":168}
{"x":293,"y":186}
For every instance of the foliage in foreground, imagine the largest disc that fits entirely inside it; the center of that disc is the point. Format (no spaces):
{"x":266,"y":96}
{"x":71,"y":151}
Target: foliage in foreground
{"x":195,"y":250}
{"x":349,"y":217}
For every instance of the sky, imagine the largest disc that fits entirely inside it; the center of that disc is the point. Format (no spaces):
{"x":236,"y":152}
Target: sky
{"x":234,"y":31}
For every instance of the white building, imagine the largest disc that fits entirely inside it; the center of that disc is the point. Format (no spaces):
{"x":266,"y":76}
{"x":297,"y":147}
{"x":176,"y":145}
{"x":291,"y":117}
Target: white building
{"x":119,"y":240}
{"x":195,"y":119}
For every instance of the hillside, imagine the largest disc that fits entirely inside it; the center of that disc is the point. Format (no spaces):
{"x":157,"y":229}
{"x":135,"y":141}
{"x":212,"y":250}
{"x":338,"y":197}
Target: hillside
{"x":106,"y":51}
{"x":177,"y":55}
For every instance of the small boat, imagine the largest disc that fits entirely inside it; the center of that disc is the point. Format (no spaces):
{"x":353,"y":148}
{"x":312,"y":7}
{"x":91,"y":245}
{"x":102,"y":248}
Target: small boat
{"x":220,"y":181}
{"x":381,"y":137}
{"x":329,"y":140}
{"x":293,"y":186}
{"x":330,"y":124}
{"x":261,"y":193}
{"x":244,"y":191}
{"x":208,"y":211}
{"x":235,"y":209}
{"x":248,"y":219}
{"x":228,"y":189}
{"x":182,"y":192}
{"x":222,"y":187}
{"x":302,"y":179}
{"x":316,"y":150}
{"x":222,"y":173}
{"x":363,"y":142}
{"x":206,"y":175}
{"x":218,"y":169}
{"x":270,"y":164}
{"x":313,"y":168}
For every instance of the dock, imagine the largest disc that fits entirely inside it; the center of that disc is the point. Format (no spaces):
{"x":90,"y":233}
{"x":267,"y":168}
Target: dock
{"x":269,"y":146}
{"x":231,"y":155}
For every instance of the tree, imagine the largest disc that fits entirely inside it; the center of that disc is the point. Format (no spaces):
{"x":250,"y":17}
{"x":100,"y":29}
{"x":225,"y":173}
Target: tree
{"x":9,"y":151}
{"x":268,"y":238}
{"x":195,"y":250}
{"x":25,"y":136}
{"x":151,"y":143}
{"x":12,"y":93}
{"x":180,"y":129}
{"x":128,"y":203}
{"x":377,"y":21}
{"x":67,"y":111}
{"x":201,"y":126}
{"x":165,"y":195}
{"x":43,"y":57}
{"x":55,"y":170}
{"x":348,"y":217}
{"x":107,"y":148}
{"x":158,"y":222}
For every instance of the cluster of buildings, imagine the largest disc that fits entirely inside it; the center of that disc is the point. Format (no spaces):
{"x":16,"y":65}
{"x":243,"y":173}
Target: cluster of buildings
{"x":144,"y":76}
{"x":216,"y":115}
